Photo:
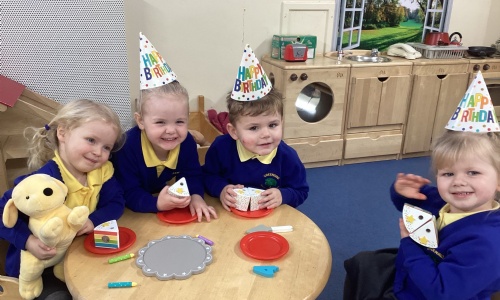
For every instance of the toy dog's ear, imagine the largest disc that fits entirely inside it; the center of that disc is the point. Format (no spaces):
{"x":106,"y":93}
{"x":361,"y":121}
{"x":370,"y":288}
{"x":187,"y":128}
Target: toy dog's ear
{"x":63,"y":187}
{"x":10,"y":213}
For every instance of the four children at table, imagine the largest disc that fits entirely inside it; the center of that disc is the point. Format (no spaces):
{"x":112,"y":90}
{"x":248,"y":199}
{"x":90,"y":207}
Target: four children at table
{"x":75,"y":146}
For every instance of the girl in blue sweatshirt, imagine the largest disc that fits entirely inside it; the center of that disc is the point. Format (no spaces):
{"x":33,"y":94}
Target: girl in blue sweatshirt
{"x":466,"y":262}
{"x":73,"y":148}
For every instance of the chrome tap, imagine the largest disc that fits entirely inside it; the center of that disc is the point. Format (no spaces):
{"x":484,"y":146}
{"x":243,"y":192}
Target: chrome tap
{"x":374,"y":52}
{"x":340,"y":54}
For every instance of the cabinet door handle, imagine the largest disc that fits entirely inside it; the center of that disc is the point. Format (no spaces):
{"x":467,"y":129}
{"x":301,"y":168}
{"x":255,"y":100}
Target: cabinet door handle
{"x":293,"y":77}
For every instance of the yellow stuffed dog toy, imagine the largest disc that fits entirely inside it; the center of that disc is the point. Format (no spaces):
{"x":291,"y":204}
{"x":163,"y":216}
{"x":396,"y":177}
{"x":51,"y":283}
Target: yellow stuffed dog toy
{"x":41,"y":197}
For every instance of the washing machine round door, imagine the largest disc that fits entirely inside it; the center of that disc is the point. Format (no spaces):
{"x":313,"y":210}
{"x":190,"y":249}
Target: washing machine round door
{"x":314,"y":102}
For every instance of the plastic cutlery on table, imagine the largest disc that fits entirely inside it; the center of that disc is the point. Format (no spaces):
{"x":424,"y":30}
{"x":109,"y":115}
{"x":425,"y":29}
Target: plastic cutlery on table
{"x":285,"y":228}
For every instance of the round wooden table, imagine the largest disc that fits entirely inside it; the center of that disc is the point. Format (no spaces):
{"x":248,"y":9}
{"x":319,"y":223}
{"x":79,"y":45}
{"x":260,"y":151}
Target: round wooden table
{"x":303,"y":271}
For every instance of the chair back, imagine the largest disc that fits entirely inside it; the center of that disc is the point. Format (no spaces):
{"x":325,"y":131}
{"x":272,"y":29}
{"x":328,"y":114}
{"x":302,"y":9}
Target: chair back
{"x":9,"y":288}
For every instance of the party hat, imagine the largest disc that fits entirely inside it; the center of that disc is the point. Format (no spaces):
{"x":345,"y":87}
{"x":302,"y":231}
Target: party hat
{"x":251,"y":81}
{"x":475,"y":112}
{"x":154,"y":70}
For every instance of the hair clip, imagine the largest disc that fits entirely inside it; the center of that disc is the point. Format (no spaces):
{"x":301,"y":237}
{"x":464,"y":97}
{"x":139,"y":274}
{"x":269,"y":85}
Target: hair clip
{"x":47,"y":127}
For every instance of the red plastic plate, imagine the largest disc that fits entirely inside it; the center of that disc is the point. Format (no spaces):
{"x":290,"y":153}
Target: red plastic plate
{"x":177,"y":216}
{"x":127,"y":239}
{"x":252,"y":214}
{"x":264,"y":245}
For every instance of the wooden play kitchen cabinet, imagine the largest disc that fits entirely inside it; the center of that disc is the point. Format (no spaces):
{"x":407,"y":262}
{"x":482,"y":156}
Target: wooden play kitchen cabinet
{"x":438,"y":86}
{"x":366,"y":111}
{"x":314,"y":94}
{"x":376,"y":110}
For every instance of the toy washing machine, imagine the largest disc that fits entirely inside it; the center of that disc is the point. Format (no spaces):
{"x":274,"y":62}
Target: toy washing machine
{"x":314,"y":98}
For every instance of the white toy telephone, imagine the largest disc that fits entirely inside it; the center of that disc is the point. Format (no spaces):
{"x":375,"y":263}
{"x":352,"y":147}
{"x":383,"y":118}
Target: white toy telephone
{"x":403,"y":50}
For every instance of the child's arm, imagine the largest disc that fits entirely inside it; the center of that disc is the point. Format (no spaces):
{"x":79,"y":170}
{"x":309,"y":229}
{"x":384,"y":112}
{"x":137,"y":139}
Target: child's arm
{"x":294,"y":189}
{"x":473,"y":260}
{"x":36,"y":247}
{"x":111,"y":203}
{"x":271,"y":198}
{"x":228,"y":195}
{"x":412,"y":185}
{"x":166,"y":201}
{"x":408,"y":185}
{"x":199,"y":207}
{"x":132,"y":174}
{"x":214,"y":167}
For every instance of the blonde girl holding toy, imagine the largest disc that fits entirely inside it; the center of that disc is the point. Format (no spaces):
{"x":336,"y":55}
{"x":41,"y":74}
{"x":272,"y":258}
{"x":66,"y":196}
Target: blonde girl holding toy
{"x":74,"y":147}
{"x":458,"y":257}
{"x":160,"y":147}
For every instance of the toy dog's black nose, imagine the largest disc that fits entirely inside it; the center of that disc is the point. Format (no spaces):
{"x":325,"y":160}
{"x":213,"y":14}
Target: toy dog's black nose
{"x":48,"y":192}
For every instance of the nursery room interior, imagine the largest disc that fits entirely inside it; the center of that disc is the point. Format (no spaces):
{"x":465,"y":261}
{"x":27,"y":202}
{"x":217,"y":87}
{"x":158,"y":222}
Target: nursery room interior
{"x":359,"y":108}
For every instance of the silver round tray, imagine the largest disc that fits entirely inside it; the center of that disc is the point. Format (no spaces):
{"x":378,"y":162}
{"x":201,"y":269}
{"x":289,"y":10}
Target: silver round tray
{"x":174,"y":257}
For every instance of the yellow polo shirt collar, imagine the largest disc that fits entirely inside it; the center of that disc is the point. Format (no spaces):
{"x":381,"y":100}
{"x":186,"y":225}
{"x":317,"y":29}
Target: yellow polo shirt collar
{"x":79,"y":194}
{"x":152,"y":160}
{"x":445,"y":218}
{"x":245,"y":155}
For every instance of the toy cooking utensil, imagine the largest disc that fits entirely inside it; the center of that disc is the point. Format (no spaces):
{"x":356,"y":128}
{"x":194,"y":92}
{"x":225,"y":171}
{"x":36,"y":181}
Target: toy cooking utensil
{"x":285,"y":228}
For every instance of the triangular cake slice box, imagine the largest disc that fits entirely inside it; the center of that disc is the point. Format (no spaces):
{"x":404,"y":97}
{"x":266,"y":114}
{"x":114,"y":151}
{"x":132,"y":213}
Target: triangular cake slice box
{"x":248,"y":197}
{"x":426,"y":235}
{"x":242,"y":199}
{"x":107,"y":235}
{"x":179,"y":188}
{"x":414,"y":217}
{"x":255,"y":196}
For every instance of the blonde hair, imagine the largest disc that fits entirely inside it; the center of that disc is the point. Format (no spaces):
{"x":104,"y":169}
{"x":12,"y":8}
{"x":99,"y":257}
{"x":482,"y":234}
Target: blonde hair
{"x":453,"y":146}
{"x":71,"y":115}
{"x":174,"y":88}
{"x":269,"y":104}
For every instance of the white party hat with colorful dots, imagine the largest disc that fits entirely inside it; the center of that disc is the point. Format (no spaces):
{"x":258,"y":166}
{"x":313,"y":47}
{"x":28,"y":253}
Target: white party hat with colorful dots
{"x":475,"y":112}
{"x":155,"y":71}
{"x":251,"y":81}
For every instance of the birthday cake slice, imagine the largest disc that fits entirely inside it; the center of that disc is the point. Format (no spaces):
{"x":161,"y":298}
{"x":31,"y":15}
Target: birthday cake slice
{"x":421,"y":225}
{"x":248,"y":198}
{"x":179,"y":188}
{"x":107,"y":235}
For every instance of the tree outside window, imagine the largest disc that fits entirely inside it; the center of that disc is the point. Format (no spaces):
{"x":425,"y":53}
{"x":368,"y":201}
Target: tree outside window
{"x":368,"y":24}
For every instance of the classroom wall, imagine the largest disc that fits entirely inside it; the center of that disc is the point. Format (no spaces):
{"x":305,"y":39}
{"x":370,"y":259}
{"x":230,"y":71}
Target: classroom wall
{"x":203,"y":40}
{"x":478,"y":21}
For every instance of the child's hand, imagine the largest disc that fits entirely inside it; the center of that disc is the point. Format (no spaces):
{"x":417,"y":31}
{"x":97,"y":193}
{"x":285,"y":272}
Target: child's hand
{"x":166,"y":201}
{"x":227,"y":196}
{"x":200,"y":207}
{"x":36,"y":247}
{"x":272,"y":198}
{"x":408,"y":185}
{"x":402,"y":229}
{"x":86,"y":228}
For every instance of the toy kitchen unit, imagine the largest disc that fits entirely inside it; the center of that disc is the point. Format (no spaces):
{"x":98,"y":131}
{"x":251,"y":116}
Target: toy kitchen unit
{"x":314,"y":98}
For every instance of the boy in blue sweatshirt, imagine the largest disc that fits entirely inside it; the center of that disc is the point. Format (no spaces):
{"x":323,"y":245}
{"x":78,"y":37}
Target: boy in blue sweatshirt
{"x":253,"y":154}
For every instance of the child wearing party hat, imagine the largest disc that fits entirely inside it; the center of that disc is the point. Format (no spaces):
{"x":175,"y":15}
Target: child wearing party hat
{"x":160,"y":147}
{"x":253,"y":154}
{"x":465,"y":264}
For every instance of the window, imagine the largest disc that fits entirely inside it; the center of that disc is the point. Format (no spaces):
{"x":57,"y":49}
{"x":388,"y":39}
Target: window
{"x":368,"y":24}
